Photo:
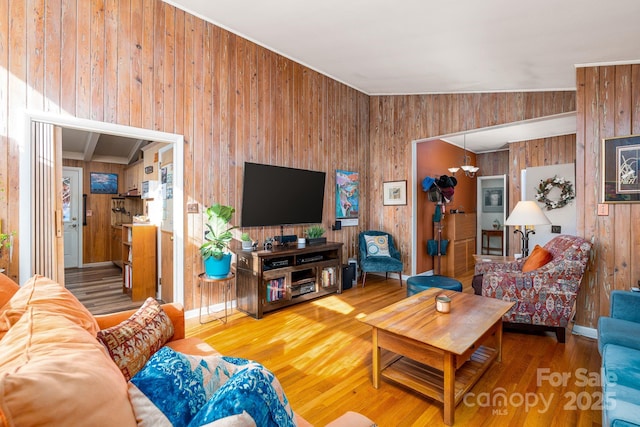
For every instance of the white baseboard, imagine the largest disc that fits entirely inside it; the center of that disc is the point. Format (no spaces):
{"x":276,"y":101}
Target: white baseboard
{"x":216,"y":308}
{"x":585,"y":332}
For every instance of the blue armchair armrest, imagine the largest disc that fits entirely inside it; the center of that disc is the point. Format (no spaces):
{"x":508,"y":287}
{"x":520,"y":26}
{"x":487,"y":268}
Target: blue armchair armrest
{"x":625,"y":305}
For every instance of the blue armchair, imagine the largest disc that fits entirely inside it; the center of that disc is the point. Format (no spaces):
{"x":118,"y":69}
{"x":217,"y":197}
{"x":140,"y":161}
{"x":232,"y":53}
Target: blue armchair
{"x":369,"y":262}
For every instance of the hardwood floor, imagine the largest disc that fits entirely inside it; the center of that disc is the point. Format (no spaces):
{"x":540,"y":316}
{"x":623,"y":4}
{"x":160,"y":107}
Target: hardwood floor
{"x":321,"y":353}
{"x":99,"y":289}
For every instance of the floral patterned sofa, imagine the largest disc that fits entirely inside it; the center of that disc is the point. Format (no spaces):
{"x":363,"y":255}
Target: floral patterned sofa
{"x":544,"y":297}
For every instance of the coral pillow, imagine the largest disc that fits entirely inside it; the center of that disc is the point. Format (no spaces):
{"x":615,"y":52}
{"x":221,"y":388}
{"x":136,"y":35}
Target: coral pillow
{"x":377,"y":245}
{"x":54,"y":373}
{"x":132,"y":342}
{"x":50,"y":297}
{"x":539,"y":257}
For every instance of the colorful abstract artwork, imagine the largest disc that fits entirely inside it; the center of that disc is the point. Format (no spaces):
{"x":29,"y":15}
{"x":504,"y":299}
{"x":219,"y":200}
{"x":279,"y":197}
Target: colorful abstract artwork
{"x":347,"y":194}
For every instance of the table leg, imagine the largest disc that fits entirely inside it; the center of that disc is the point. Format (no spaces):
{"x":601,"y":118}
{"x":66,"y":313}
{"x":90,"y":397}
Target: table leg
{"x":449,"y":388}
{"x":376,"y":359}
{"x":499,"y":340}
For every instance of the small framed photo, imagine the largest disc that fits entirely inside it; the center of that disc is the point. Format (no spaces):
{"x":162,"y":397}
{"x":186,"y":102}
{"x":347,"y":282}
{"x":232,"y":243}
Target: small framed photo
{"x":395,"y":193}
{"x":493,"y":199}
{"x":103,"y":183}
{"x":621,"y":169}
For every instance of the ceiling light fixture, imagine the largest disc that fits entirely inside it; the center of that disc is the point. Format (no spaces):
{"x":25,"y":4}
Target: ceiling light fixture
{"x":468,"y":169}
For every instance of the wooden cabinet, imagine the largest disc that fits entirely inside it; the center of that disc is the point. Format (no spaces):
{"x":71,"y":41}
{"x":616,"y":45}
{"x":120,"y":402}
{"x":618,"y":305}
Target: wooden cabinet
{"x":460,"y":230}
{"x":116,"y":245}
{"x":140,"y":273}
{"x":133,"y":177}
{"x":272,"y":279}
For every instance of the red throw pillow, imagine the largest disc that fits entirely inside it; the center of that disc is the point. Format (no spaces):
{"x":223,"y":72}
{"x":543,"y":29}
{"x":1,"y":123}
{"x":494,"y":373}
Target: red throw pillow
{"x":539,"y":257}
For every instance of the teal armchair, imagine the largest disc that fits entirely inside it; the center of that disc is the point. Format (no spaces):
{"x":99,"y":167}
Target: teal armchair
{"x":379,"y":264}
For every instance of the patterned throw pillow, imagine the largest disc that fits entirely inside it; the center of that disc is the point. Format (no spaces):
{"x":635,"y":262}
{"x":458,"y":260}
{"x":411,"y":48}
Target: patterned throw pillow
{"x":178,"y":389}
{"x":377,"y":245}
{"x":131,"y":343}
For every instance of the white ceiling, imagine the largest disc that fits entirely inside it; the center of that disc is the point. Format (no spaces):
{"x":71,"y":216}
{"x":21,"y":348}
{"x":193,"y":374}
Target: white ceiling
{"x":94,"y":147}
{"x":429,"y":46}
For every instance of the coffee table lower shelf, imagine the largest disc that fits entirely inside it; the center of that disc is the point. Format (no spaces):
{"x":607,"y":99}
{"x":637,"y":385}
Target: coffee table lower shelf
{"x":430,"y":381}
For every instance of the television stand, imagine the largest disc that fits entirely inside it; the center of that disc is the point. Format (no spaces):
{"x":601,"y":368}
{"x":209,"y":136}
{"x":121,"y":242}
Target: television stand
{"x":272,"y":279}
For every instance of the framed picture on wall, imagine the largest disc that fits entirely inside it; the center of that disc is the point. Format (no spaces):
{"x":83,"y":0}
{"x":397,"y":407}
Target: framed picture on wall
{"x":103,"y":183}
{"x":493,"y":199}
{"x":395,"y":193}
{"x":621,"y":169}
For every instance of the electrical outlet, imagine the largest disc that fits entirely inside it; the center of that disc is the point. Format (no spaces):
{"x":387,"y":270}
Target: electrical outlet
{"x":192,"y":208}
{"x":555,"y":229}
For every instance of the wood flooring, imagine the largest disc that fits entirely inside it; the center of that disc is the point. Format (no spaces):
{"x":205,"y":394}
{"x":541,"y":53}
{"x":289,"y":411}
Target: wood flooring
{"x":99,"y":289}
{"x":321,"y":353}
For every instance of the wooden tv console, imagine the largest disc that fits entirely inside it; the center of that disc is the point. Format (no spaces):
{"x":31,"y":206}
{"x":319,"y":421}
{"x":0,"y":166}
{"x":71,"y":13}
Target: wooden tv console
{"x":267,"y":280}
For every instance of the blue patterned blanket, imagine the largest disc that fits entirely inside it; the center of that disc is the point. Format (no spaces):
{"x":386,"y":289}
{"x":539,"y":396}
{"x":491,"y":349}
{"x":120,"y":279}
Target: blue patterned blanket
{"x":176,"y":389}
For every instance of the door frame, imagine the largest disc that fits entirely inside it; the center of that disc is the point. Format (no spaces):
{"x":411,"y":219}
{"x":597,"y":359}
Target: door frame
{"x":26,"y":185}
{"x":80,"y":260}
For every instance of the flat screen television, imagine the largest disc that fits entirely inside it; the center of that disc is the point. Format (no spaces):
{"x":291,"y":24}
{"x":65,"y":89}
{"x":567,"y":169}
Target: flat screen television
{"x":276,"y":195}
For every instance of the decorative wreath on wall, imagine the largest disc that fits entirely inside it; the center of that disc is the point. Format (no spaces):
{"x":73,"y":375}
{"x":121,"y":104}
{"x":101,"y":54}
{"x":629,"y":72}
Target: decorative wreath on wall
{"x":567,"y":194}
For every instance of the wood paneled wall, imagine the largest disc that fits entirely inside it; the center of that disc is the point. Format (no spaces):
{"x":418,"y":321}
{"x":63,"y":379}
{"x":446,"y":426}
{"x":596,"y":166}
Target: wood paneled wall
{"x":608,"y":105}
{"x":396,"y":121}
{"x":96,"y":235}
{"x":147,"y":64}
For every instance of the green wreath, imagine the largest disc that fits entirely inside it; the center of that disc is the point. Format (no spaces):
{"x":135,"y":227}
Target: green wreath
{"x":567,"y":194}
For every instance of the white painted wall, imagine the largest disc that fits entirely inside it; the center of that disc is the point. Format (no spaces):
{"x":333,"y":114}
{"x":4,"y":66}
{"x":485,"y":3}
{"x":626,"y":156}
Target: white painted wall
{"x":565,"y":216}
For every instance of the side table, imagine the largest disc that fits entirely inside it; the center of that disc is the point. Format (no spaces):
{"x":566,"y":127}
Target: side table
{"x":223,"y":286}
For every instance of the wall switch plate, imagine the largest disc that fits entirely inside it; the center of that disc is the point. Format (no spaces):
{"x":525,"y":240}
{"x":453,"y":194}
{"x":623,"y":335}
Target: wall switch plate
{"x":603,"y":209}
{"x":556,"y":228}
{"x":192,"y":208}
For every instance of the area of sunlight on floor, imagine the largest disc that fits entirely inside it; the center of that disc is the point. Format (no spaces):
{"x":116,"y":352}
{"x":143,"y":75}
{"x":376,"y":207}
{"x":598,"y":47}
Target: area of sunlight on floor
{"x":334,"y":303}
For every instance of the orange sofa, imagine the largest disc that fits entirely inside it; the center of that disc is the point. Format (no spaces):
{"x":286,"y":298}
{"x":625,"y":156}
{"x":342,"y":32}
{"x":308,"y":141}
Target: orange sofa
{"x":53,"y":370}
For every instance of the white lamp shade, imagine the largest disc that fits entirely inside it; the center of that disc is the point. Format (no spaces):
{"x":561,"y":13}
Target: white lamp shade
{"x":527,"y":213}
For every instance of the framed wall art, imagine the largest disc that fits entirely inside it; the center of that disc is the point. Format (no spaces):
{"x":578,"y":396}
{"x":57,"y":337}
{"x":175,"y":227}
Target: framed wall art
{"x":103,"y":183}
{"x":493,"y":199}
{"x":395,"y":193}
{"x":621,"y":169}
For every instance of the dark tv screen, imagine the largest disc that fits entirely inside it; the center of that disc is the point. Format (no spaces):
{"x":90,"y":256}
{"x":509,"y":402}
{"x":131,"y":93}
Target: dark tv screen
{"x":276,"y":195}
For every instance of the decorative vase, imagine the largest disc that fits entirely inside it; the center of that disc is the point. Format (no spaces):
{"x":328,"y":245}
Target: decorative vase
{"x":247,"y":245}
{"x":218,"y":268}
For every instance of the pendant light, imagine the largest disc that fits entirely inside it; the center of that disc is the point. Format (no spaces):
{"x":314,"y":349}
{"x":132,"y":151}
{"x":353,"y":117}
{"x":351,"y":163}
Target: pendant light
{"x":468,"y":169}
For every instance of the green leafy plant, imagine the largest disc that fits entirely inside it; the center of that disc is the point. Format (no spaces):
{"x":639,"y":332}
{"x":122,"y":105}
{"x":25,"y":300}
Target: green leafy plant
{"x":314,"y":232}
{"x":245,"y":237}
{"x":218,"y":231}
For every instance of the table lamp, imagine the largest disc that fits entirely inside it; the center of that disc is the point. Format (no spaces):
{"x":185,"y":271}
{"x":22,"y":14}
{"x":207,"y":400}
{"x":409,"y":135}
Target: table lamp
{"x":526,"y":214}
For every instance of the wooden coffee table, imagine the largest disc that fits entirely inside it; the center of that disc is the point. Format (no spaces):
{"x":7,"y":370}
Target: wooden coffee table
{"x":438,"y":355}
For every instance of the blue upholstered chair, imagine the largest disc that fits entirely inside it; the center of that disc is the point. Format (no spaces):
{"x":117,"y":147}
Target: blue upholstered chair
{"x":369,"y":262}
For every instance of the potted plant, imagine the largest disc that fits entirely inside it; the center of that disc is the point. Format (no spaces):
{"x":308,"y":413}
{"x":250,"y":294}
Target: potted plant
{"x":217,"y":236}
{"x":247,"y":243}
{"x":314,"y":235}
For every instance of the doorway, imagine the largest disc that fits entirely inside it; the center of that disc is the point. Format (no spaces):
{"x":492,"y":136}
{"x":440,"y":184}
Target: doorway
{"x":492,"y":213}
{"x":71,"y":221}
{"x":28,"y":185}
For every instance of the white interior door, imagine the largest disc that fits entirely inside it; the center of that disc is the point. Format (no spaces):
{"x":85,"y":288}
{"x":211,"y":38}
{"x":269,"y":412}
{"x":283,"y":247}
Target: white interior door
{"x":71,"y":218}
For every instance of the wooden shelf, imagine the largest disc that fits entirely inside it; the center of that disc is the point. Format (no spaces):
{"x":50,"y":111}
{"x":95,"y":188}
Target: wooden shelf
{"x":430,"y":381}
{"x":297,"y":274}
{"x":139,"y":273}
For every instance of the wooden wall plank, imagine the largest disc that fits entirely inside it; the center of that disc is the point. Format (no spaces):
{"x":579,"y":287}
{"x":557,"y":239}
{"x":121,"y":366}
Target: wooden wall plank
{"x":97,"y":49}
{"x":110,"y":75}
